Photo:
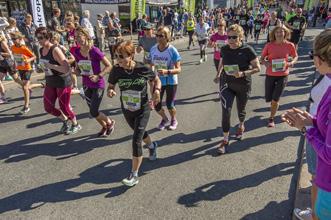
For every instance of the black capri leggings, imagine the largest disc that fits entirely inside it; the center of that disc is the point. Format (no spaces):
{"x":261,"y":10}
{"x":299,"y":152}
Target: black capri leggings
{"x":93,"y":98}
{"x":228,"y":92}
{"x":274,"y":87}
{"x":138,"y":122}
{"x":170,"y":99}
{"x":190,"y":36}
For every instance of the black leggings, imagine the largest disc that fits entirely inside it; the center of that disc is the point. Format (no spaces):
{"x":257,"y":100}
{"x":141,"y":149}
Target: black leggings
{"x":138,"y":122}
{"x":190,"y":36}
{"x":93,"y":98}
{"x":170,"y":99}
{"x":203,"y":45}
{"x":228,"y":92}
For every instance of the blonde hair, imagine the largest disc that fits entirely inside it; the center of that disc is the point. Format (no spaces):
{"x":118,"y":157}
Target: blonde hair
{"x":86,"y":14}
{"x":322,"y":46}
{"x":55,"y":37}
{"x":287,"y":32}
{"x":165,"y":30}
{"x":12,"y":21}
{"x":16,"y":35}
{"x":238,"y":29}
{"x":84,"y":31}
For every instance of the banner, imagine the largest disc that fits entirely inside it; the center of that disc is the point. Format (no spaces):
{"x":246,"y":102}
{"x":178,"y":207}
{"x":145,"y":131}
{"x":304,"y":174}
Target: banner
{"x":137,"y":7}
{"x":162,"y":2}
{"x":38,"y":13}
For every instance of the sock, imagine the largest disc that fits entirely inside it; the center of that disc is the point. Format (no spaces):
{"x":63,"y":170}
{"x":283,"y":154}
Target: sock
{"x":135,"y":173}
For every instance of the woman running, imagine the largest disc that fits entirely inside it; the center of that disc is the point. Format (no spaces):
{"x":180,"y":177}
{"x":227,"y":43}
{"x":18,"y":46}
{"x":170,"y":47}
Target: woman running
{"x":89,"y":59}
{"x":58,"y":82}
{"x":202,"y":31}
{"x":275,"y":57}
{"x":132,"y":78}
{"x":235,"y":80}
{"x":165,"y":60}
{"x":190,"y":26}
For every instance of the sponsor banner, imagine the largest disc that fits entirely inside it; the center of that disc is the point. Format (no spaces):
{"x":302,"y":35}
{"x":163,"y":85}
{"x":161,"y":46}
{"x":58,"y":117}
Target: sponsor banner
{"x":138,"y":7}
{"x":38,"y":13}
{"x":105,"y":1}
{"x":162,"y":2}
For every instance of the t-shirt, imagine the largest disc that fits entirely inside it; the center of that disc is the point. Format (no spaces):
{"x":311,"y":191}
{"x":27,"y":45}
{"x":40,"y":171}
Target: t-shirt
{"x":133,"y":86}
{"x":243,"y":20}
{"x":237,"y":60}
{"x":277,"y":55}
{"x":89,"y":66}
{"x":202,"y":31}
{"x":317,"y":93}
{"x":220,"y":41}
{"x":257,"y":25}
{"x":20,"y":55}
{"x":147,"y":43}
{"x":165,"y":59}
{"x":297,"y":23}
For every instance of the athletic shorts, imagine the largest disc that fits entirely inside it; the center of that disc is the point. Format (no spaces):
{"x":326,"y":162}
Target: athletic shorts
{"x":25,"y":74}
{"x":323,"y":205}
{"x":201,"y":42}
{"x":216,"y":62}
{"x":295,"y":37}
{"x":274,"y":87}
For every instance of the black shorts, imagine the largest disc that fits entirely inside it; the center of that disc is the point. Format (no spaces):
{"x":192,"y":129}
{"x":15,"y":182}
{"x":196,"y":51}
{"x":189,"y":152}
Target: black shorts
{"x":295,"y":37}
{"x":216,"y":62}
{"x":25,"y":74}
{"x":274,"y":87}
{"x":202,"y":42}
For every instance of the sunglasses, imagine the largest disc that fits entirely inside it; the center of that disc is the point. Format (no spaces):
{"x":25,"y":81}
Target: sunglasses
{"x":159,"y":35}
{"x":317,"y":55}
{"x":233,"y":37}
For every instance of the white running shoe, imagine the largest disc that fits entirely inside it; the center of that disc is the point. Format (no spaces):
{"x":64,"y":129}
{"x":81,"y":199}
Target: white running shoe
{"x":201,"y":60}
{"x":305,"y":214}
{"x":131,"y":180}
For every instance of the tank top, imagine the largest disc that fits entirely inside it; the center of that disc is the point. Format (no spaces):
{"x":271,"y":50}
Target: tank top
{"x":57,"y":79}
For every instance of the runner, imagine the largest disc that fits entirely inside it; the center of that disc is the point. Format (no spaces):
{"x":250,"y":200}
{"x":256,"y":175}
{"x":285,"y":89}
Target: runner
{"x":58,"y":82}
{"x":297,"y":24}
{"x":114,"y":37}
{"x":202,"y":32}
{"x":23,"y":57}
{"x":217,"y":41}
{"x":234,"y":76}
{"x":243,"y":21}
{"x":273,"y":22}
{"x":132,"y":78}
{"x":89,"y":59}
{"x":146,"y":42}
{"x":190,"y":25}
{"x":275,"y":57}
{"x":257,"y":28}
{"x":166,"y":63}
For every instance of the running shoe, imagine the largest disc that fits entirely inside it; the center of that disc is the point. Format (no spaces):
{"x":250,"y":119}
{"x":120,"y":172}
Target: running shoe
{"x":131,"y":180}
{"x":8,"y":78}
{"x":271,"y":123}
{"x":74,"y":129}
{"x":163,"y":124}
{"x":3,"y":100}
{"x":110,"y":128}
{"x":222,"y":147}
{"x":65,"y":127}
{"x":305,"y":214}
{"x":201,"y":60}
{"x":24,"y":110}
{"x":173,"y":124}
{"x":82,"y":93}
{"x":240,"y":133}
{"x":102,"y":133}
{"x":152,"y":151}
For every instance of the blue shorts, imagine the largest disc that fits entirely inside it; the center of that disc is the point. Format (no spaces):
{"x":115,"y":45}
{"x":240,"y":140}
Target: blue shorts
{"x":311,"y":158}
{"x":323,"y":205}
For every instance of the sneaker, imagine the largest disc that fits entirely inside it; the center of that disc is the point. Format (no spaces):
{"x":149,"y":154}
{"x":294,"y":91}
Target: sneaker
{"x":163,"y":124}
{"x":74,"y":129}
{"x":65,"y":127}
{"x":188,"y":47}
{"x":240,"y":133}
{"x":82,"y":93}
{"x":131,"y":180}
{"x":205,"y":58}
{"x":222,"y":148}
{"x":305,"y":214}
{"x":152,"y":151}
{"x":110,"y":128}
{"x":102,"y":133}
{"x":201,"y":60}
{"x":8,"y":78}
{"x":271,"y":123}
{"x":173,"y":125}
{"x":24,"y":110}
{"x":3,"y":100}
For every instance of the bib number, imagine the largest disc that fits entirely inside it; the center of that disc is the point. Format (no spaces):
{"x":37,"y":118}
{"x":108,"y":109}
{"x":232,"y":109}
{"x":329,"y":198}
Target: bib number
{"x":85,"y":67}
{"x":47,"y":71}
{"x":296,"y":25}
{"x":131,"y":100}
{"x":160,"y":64}
{"x":112,"y":40}
{"x":231,"y":69}
{"x":278,"y":65}
{"x":19,"y":59}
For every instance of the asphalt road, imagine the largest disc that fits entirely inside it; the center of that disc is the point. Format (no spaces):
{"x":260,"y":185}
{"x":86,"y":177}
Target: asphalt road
{"x":46,"y":175}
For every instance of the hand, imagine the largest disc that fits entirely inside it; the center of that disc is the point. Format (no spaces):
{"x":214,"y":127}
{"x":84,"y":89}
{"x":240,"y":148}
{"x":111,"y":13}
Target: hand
{"x":238,"y":74}
{"x":94,"y":78}
{"x":111,"y":93}
{"x":290,"y":64}
{"x":297,"y":118}
{"x":47,"y":65}
{"x":217,"y":79}
{"x":162,"y":71}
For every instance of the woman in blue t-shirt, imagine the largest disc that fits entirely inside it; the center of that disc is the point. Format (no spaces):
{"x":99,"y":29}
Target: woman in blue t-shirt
{"x":165,"y":61}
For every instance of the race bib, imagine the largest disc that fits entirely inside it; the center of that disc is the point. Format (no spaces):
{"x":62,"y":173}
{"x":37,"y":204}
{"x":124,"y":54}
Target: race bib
{"x":220,"y":44}
{"x":19,"y":59}
{"x":85,"y":67}
{"x":278,"y":65}
{"x":237,"y":18}
{"x":131,"y":100}
{"x":257,"y":27}
{"x":231,"y":69}
{"x":47,"y":71}
{"x":296,"y":25}
{"x":243,"y":22}
{"x":112,"y":40}
{"x":160,"y":64}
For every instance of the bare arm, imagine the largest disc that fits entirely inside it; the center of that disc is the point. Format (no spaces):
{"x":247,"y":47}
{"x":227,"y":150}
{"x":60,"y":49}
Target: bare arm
{"x":107,"y":66}
{"x":177,"y":69}
{"x":256,"y":67}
